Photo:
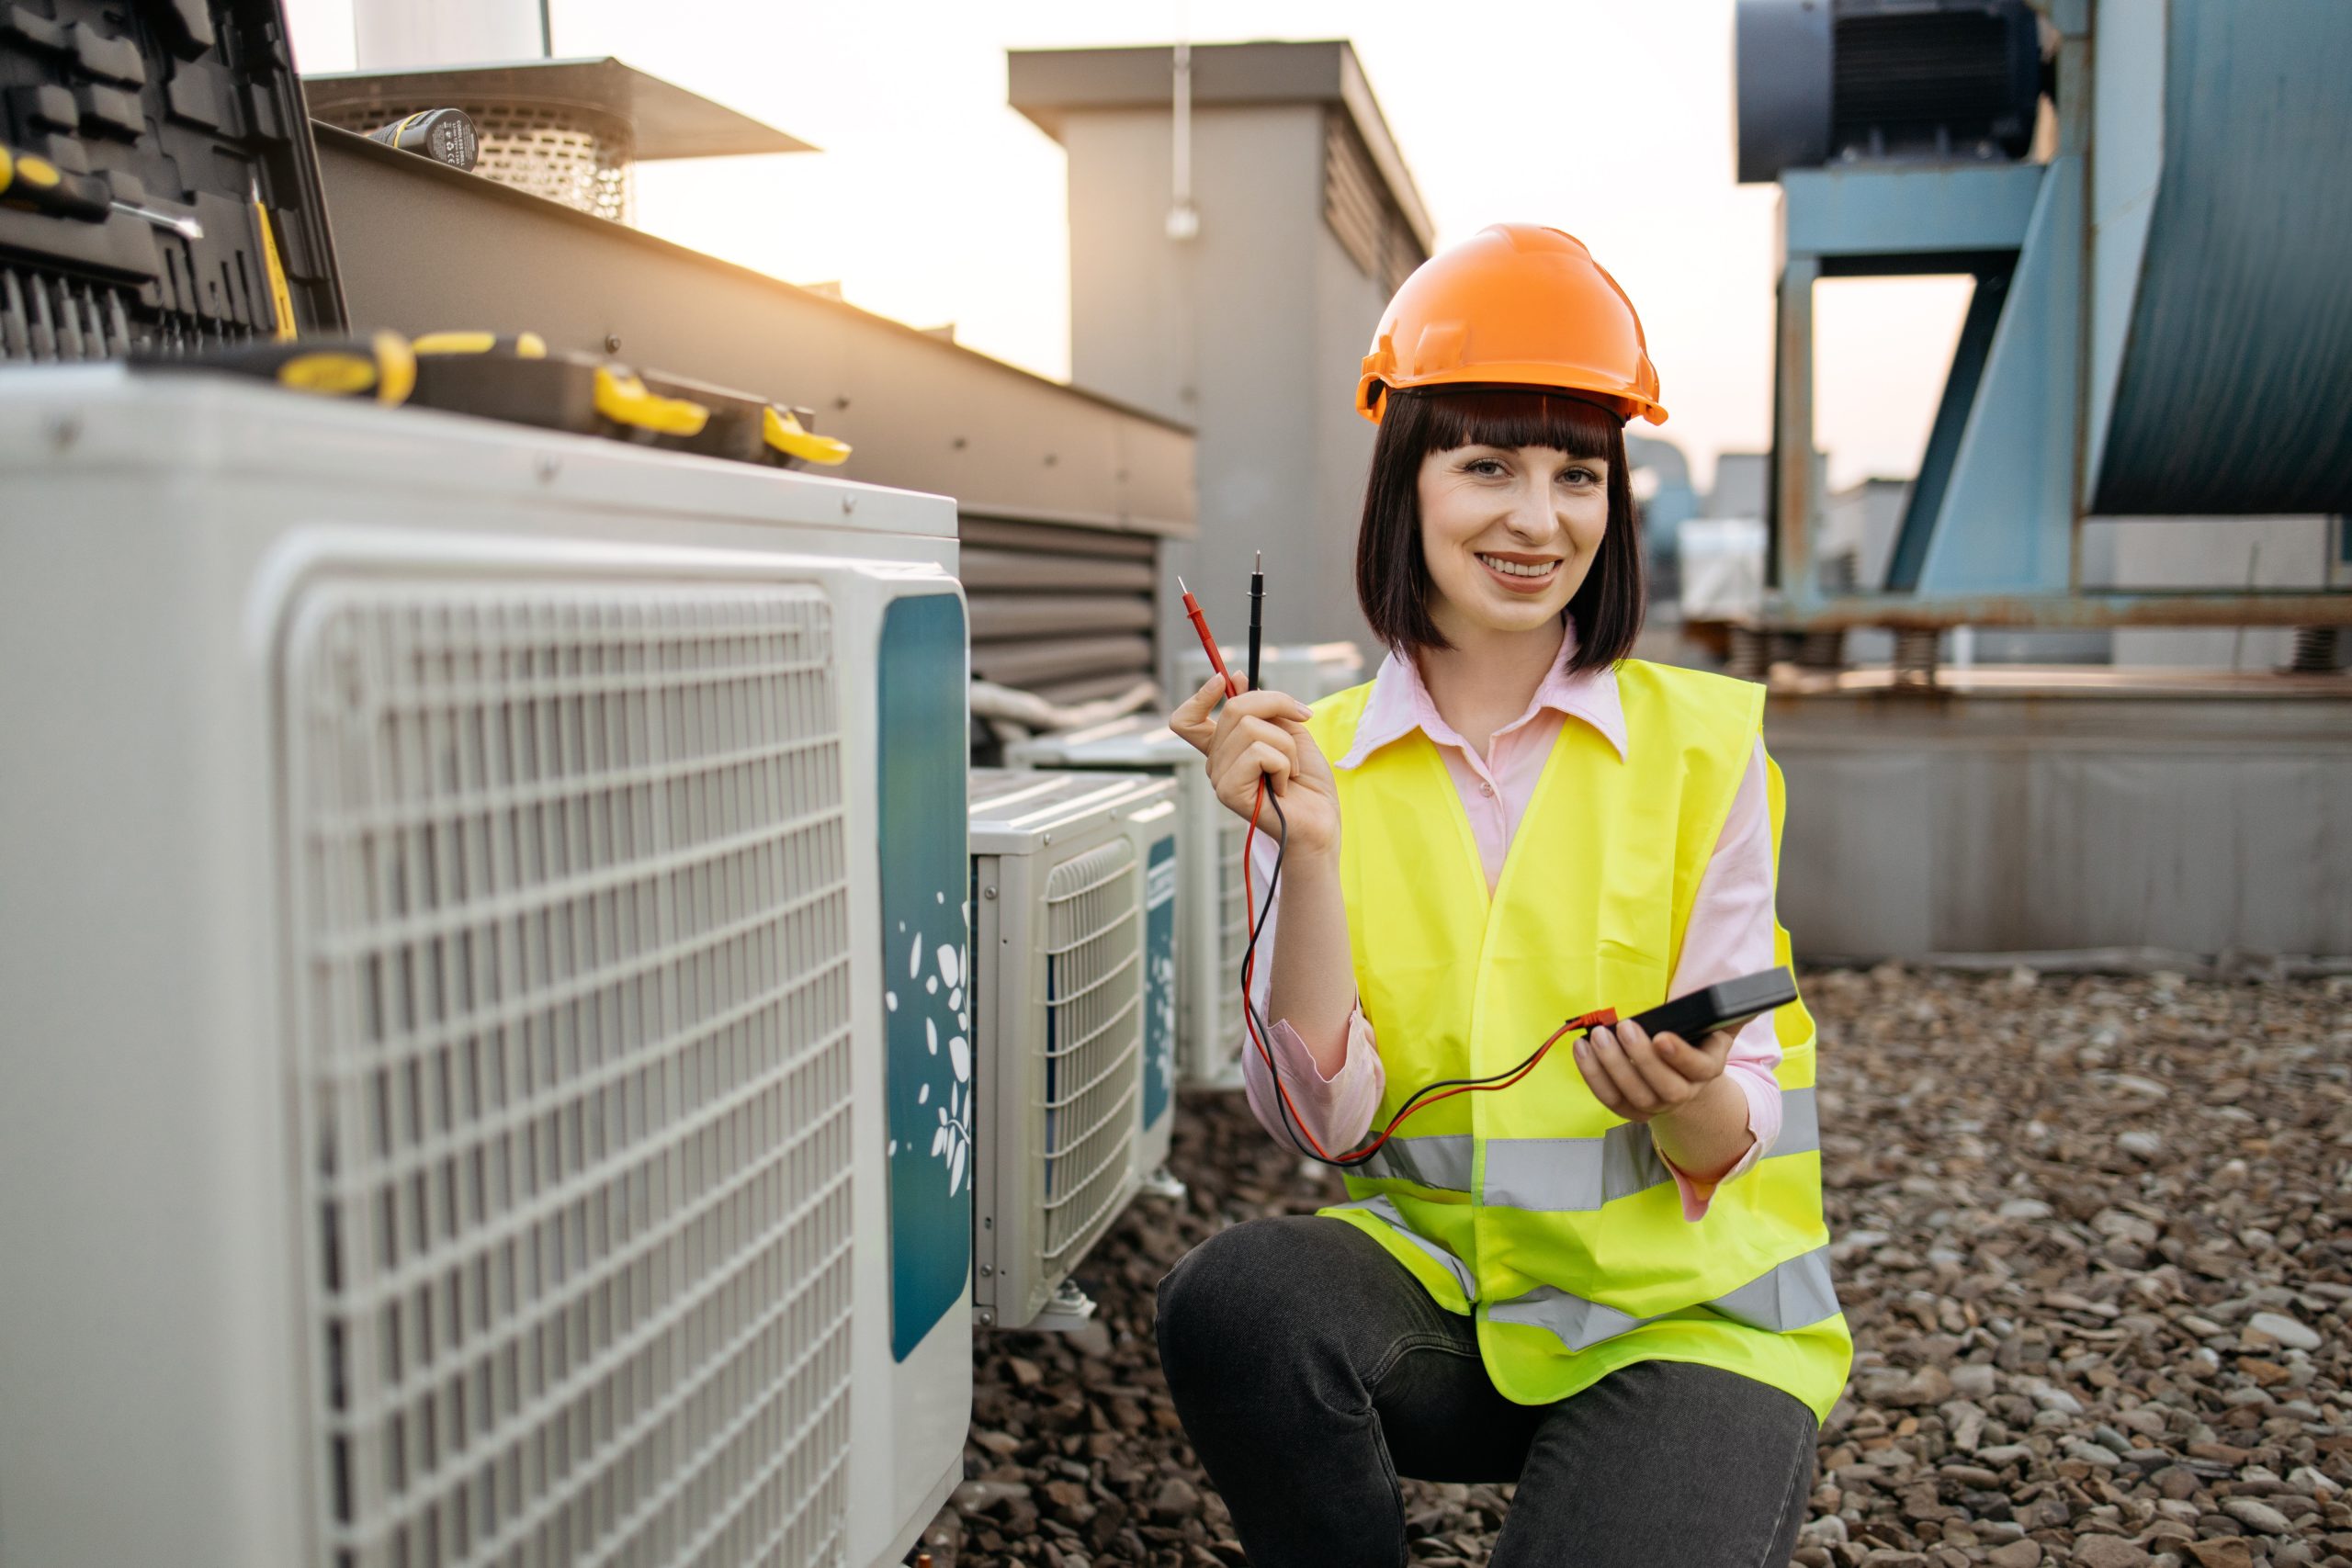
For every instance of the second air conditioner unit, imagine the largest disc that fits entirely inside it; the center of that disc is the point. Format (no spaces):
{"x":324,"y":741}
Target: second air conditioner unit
{"x":1061,"y":946}
{"x":1210,"y":917}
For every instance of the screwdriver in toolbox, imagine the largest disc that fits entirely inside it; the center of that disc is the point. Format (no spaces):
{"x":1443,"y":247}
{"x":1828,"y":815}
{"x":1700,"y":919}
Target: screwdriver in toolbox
{"x":281,"y":301}
{"x":30,"y":180}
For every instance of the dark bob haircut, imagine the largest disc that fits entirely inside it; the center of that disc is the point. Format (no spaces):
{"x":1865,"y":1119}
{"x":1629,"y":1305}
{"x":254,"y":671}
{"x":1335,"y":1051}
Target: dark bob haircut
{"x":1392,"y":575}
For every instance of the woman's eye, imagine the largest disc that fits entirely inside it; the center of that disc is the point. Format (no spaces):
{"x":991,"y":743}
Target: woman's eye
{"x":1580,"y":476}
{"x":1485,"y":466}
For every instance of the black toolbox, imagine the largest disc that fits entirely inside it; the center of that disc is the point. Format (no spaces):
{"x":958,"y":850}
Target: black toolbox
{"x":181,"y":108}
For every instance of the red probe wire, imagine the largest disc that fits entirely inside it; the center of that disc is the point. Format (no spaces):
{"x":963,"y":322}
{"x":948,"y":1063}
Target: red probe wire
{"x":1250,"y":1019}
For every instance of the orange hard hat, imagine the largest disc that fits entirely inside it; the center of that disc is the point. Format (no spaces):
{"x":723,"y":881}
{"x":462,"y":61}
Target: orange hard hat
{"x":1515,"y":305}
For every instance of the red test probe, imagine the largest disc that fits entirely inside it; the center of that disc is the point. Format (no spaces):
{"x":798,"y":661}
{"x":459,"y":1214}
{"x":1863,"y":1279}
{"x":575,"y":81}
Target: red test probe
{"x":1208,"y":643}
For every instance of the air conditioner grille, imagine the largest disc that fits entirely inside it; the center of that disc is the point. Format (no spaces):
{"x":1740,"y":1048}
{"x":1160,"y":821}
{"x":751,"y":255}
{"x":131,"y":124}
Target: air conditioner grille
{"x":1094,"y":1043}
{"x":571,"y":923}
{"x":1233,"y":932}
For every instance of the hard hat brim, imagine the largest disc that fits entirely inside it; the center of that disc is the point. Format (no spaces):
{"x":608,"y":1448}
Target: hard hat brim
{"x":1625,"y":402}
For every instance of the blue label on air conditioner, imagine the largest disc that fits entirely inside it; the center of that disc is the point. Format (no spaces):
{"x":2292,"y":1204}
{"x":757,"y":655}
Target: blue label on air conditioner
{"x":926,"y":961}
{"x":1160,"y":979}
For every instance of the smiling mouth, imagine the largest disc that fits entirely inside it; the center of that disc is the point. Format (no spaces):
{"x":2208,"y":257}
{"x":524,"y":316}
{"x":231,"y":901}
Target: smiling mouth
{"x":1520,"y":573}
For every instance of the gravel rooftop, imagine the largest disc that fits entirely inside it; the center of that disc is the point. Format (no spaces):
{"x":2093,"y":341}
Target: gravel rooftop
{"x":2094,"y":1236}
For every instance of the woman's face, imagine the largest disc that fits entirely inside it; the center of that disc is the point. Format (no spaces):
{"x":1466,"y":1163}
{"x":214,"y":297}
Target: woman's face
{"x":1508,"y":534}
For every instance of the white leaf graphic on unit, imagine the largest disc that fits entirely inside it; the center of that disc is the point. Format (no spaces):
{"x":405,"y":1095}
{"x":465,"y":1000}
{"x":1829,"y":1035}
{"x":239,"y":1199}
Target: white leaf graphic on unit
{"x":955,"y":1168}
{"x":939,"y":1139}
{"x":950,"y":963}
{"x":914,"y":956}
{"x":931,"y":1035}
{"x":960,"y":1055}
{"x":923,"y":1095}
{"x":890,"y":1001}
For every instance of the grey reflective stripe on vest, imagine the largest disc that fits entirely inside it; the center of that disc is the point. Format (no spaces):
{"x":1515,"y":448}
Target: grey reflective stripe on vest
{"x":1441,"y":1160}
{"x":1556,"y":1175}
{"x":1563,"y":1174}
{"x":1382,"y":1209}
{"x":1800,"y":1123}
{"x":1794,"y":1295}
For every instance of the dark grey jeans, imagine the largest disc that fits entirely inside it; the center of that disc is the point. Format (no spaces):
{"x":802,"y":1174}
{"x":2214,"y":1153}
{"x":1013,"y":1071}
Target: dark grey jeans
{"x":1312,"y":1371}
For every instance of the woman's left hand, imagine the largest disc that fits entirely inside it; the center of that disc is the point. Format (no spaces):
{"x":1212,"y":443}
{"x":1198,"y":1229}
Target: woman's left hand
{"x":1639,"y":1077}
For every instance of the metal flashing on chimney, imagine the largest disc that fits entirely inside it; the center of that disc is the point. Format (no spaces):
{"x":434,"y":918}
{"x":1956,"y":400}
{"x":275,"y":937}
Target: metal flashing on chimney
{"x":567,"y":130}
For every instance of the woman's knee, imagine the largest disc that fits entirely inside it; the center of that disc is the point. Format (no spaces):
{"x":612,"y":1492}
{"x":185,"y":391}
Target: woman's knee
{"x":1232,"y":1299}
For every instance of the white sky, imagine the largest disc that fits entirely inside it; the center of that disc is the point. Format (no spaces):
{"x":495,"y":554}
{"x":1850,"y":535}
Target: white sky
{"x":933,"y":201}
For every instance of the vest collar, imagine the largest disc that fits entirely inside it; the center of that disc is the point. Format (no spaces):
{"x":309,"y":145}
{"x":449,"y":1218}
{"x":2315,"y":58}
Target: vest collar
{"x":1400,"y":704}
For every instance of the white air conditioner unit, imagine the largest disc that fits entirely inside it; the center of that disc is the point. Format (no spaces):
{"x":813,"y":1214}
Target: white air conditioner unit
{"x":1153,"y":827}
{"x":1308,"y":671}
{"x":1060,"y":935}
{"x":450,"y":1100}
{"x":1211,"y":928}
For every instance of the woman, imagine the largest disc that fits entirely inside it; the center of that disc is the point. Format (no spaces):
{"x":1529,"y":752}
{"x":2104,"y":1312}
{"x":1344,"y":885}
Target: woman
{"x":1607,"y":1282}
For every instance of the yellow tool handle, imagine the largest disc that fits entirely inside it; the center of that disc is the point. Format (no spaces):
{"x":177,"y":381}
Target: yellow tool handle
{"x":34,"y":182}
{"x":623,"y":398}
{"x":782,"y":431}
{"x":388,"y":369}
{"x":522,"y":345}
{"x":380,"y":367}
{"x":281,"y":299}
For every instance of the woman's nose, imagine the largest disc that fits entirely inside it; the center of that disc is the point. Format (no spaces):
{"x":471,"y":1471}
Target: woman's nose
{"x":1530,"y":517}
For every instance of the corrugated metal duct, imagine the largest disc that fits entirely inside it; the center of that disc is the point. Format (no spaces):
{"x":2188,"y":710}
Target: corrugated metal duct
{"x":2231,"y":394}
{"x":1063,"y":611}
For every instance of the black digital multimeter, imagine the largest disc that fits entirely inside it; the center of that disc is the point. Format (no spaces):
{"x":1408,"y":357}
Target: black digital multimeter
{"x":1727,"y":1004}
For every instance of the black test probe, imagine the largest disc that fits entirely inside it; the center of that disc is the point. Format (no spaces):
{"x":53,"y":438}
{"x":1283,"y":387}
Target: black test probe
{"x":1256,"y":613}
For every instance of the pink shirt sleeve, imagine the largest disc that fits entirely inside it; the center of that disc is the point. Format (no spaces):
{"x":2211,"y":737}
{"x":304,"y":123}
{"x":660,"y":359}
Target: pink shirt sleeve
{"x":1730,"y":933}
{"x":1336,"y":1111}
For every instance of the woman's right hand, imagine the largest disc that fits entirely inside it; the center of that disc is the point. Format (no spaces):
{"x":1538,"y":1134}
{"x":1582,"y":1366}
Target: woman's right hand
{"x":1263,"y":734}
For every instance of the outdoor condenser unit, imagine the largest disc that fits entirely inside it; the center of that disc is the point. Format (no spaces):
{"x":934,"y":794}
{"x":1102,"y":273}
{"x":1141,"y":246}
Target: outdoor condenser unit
{"x":1058,"y":1005}
{"x":1209,"y":914}
{"x":452,"y":878}
{"x":1155,"y":831}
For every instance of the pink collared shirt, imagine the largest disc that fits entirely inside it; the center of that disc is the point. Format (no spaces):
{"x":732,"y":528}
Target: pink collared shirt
{"x":1729,"y":934}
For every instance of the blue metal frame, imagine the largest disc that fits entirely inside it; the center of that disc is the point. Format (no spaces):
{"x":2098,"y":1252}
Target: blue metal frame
{"x":1992,"y":533}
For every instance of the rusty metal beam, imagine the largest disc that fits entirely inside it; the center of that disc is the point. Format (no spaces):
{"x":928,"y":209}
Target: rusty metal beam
{"x":2085,"y":611}
{"x":1793,"y":509}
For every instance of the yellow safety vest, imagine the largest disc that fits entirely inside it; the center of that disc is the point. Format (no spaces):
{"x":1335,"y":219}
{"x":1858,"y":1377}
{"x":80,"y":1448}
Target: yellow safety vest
{"x":1533,"y":1209}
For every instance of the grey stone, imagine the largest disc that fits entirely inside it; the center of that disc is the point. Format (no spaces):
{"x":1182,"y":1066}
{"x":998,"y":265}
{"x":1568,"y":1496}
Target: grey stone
{"x":2109,"y":1552}
{"x":2256,"y":1515}
{"x":2284,"y":1329}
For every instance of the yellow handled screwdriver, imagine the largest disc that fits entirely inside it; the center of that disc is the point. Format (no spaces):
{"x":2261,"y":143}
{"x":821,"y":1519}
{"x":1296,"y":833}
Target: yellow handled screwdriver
{"x":27,"y":179}
{"x":281,"y":301}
